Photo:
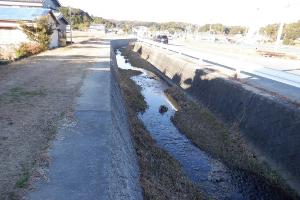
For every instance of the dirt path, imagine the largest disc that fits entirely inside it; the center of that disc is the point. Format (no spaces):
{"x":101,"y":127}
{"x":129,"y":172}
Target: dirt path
{"x":35,"y":95}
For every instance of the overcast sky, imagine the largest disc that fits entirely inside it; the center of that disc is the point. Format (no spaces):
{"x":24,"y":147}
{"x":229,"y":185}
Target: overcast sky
{"x":229,"y":12}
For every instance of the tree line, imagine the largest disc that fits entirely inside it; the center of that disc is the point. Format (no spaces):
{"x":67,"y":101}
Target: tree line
{"x":291,"y":32}
{"x":81,"y":20}
{"x":179,"y":27}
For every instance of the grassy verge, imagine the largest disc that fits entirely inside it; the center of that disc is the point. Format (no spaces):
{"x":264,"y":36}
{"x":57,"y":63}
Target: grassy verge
{"x":161,"y":176}
{"x":212,"y":135}
{"x":18,"y":94}
{"x":23,"y":179}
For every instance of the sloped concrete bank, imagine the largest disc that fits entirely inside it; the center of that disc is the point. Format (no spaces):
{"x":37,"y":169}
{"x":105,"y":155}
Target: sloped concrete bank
{"x":122,"y":142}
{"x":271,"y":125}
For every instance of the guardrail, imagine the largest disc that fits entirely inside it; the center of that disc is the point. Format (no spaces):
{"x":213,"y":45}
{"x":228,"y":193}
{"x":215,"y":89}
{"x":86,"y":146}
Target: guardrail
{"x":238,"y":65}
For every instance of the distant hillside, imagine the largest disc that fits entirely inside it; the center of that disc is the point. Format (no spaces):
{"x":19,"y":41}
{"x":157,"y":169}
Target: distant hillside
{"x":100,"y":20}
{"x":80,"y":19}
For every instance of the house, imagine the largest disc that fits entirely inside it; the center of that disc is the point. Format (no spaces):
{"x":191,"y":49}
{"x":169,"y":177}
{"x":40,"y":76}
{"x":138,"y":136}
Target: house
{"x":12,"y":12}
{"x":50,"y":4}
{"x":140,"y":31}
{"x":11,"y":35}
{"x":62,"y":27}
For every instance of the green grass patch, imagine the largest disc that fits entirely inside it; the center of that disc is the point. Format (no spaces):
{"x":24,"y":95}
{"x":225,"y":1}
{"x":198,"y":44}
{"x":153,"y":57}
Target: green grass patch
{"x":19,"y":94}
{"x":23,"y":180}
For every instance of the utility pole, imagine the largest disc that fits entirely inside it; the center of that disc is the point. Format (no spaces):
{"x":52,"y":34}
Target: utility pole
{"x":279,"y":33}
{"x":280,"y":29}
{"x":70,"y":14}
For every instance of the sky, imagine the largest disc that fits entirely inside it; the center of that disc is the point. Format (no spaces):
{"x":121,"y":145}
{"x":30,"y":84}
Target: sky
{"x":229,"y":12}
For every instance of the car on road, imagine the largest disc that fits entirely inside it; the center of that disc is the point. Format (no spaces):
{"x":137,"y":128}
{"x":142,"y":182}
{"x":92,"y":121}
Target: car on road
{"x":161,"y":38}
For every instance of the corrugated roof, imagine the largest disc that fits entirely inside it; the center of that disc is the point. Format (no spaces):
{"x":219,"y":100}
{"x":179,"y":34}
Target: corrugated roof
{"x":31,"y":1}
{"x":56,"y":2}
{"x":22,"y":14}
{"x":59,"y":16}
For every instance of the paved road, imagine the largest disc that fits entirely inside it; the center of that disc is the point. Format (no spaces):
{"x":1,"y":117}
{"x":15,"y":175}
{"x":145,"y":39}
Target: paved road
{"x":286,"y":65}
{"x":90,"y":159}
{"x":35,"y":94}
{"x":277,"y":76}
{"x":284,"y":74}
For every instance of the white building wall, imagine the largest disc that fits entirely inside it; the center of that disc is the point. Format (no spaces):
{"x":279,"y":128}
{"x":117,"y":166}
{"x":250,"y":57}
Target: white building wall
{"x":10,"y":40}
{"x":12,"y":37}
{"x":54,"y":40}
{"x":55,"y":36}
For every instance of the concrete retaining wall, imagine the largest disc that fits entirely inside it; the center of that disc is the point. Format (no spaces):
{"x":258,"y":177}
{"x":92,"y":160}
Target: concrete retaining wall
{"x":121,"y":142}
{"x":114,"y":44}
{"x":271,"y":126}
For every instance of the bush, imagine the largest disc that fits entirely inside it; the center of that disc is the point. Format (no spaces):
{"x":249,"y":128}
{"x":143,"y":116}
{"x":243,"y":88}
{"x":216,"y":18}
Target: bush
{"x":7,"y":53}
{"x":28,"y":49}
{"x":287,"y":41}
{"x":40,"y":33}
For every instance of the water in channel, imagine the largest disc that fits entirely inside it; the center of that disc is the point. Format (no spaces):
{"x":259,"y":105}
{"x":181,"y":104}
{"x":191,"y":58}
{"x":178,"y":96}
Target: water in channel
{"x":213,"y":177}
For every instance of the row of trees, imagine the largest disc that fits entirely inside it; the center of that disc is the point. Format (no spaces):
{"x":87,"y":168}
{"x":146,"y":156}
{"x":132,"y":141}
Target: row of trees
{"x":220,"y":28}
{"x":81,"y":20}
{"x":291,"y":32}
{"x":177,"y":27}
{"x":99,"y":20}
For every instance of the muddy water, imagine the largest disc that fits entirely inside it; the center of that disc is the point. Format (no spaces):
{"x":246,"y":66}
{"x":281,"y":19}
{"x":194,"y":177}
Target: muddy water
{"x":212,"y":176}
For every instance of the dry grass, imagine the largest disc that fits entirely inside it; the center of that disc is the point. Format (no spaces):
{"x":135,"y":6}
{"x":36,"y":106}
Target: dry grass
{"x":161,"y":176}
{"x":136,"y":61}
{"x":215,"y":137}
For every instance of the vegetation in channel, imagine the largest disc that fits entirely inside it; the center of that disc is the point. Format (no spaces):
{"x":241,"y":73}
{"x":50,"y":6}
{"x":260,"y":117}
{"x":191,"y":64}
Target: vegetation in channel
{"x":208,"y":132}
{"x":161,"y":176}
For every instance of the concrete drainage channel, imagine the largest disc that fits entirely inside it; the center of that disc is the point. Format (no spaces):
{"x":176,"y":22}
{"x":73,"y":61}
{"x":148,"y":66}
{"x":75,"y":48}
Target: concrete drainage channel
{"x":213,"y":177}
{"x":270,"y":124}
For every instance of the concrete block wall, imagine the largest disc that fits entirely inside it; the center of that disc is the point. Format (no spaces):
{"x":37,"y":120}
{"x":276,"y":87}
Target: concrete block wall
{"x":271,"y":125}
{"x":124,"y":155}
{"x":115,"y":44}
